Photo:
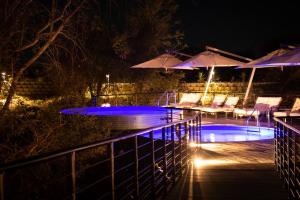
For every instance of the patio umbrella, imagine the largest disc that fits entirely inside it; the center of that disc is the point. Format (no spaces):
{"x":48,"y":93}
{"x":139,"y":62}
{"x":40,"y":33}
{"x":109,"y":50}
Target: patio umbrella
{"x":289,"y":58}
{"x":253,"y":64}
{"x":211,"y":60}
{"x":165,"y":61}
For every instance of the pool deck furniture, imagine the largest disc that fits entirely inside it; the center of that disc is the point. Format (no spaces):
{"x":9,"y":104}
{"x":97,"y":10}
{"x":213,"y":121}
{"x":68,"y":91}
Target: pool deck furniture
{"x":263,"y":106}
{"x":217,"y":102}
{"x":188,"y":100}
{"x":228,"y":107}
{"x":294,"y":112}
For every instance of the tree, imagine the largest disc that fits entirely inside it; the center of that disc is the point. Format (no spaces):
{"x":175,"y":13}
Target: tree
{"x":124,"y":33}
{"x":28,"y":29}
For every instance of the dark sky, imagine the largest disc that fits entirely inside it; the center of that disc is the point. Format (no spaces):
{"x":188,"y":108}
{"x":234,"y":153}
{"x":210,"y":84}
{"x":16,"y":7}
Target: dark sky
{"x":248,"y":28}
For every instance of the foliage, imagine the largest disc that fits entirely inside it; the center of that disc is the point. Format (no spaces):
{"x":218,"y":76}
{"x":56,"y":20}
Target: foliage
{"x":29,"y":131}
{"x":75,"y":45}
{"x":27,"y":36}
{"x":125,"y":34}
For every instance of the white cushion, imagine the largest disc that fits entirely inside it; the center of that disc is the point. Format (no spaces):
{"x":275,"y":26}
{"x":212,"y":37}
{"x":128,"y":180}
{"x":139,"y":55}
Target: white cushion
{"x":190,"y":98}
{"x":246,"y":112}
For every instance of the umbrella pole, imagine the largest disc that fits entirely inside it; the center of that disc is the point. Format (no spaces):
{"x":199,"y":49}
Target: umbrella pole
{"x":249,"y":86}
{"x":208,"y":83}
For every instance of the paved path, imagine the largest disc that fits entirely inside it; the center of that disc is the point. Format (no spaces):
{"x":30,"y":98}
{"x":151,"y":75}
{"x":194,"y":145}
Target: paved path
{"x":231,"y":171}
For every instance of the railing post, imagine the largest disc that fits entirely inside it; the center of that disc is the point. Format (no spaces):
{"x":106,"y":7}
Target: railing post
{"x":288,"y":159}
{"x":296,"y":163}
{"x":186,"y":135}
{"x":112,"y":166}
{"x":153,"y":163}
{"x":283,"y":152}
{"x":136,"y":158}
{"x":190,"y":130}
{"x":73,"y":172}
{"x":276,"y":138}
{"x":165,"y":159}
{"x":2,"y":186}
{"x":194,"y":130}
{"x":173,"y":153}
{"x":293,"y":167}
{"x":198,"y":129}
{"x":180,"y":147}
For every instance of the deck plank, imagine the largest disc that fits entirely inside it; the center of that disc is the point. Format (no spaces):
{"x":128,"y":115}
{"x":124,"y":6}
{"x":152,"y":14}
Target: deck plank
{"x":233,"y":171}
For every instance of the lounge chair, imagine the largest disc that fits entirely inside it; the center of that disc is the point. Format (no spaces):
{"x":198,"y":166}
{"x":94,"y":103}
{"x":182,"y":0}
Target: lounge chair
{"x":188,"y":100}
{"x":263,"y":106}
{"x":294,"y":112}
{"x":228,"y":107}
{"x":217,"y":102}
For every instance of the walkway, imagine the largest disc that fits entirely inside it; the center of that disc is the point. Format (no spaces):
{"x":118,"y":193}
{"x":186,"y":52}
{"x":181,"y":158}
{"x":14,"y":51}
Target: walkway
{"x":231,"y":171}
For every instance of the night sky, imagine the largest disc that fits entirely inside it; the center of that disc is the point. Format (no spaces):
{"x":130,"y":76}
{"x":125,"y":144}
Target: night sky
{"x":248,"y":28}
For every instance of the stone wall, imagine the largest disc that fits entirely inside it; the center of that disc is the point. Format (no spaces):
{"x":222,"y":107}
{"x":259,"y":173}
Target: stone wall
{"x":34,"y":88}
{"x":215,"y":87}
{"x":126,"y":93}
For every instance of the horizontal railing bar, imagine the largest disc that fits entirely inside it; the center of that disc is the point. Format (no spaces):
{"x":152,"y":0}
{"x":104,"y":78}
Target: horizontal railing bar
{"x":124,"y":153}
{"x":103,"y":195}
{"x":143,"y":145}
{"x":92,"y":165}
{"x":92,"y":184}
{"x":123,"y":182}
{"x":158,"y":149}
{"x":146,"y":180}
{"x":124,"y":167}
{"x":144,"y":156}
{"x":143,"y":170}
{"x":287,"y":125}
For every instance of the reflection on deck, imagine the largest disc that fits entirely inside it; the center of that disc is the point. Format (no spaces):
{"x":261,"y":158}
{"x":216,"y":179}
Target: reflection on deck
{"x":233,"y":171}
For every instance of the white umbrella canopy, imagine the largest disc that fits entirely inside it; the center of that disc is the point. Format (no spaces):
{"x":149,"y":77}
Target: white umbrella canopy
{"x":273,"y":59}
{"x":165,"y":61}
{"x":256,"y":63}
{"x":290,"y":58}
{"x":211,"y":60}
{"x":253,"y":64}
{"x":208,"y":59}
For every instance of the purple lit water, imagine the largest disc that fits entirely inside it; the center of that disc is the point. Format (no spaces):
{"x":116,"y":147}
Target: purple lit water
{"x":127,"y":117}
{"x":228,"y":133}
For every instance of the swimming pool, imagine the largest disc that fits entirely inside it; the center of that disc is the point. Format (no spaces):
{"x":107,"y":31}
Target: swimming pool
{"x":127,"y":117}
{"x":233,"y":133}
{"x":228,"y":133}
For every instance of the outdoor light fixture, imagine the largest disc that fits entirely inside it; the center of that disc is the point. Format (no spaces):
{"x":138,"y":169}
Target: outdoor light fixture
{"x":107,"y":78}
{"x":194,"y":145}
{"x":3,"y":75}
{"x":197,"y":163}
{"x":200,"y":162}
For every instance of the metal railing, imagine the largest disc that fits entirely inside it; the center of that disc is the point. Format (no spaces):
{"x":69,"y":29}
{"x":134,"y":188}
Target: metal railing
{"x":287,"y":153}
{"x":143,"y":165}
{"x":168,"y":95}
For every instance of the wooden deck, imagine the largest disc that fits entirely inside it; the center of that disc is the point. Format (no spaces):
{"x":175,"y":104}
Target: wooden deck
{"x":233,"y":171}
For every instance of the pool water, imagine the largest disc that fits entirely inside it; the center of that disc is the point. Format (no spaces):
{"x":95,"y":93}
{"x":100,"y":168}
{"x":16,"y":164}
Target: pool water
{"x":127,"y":117}
{"x":228,"y":133}
{"x":115,"y":110}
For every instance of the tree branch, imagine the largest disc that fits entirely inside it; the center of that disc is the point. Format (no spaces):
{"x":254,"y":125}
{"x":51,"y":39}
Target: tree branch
{"x":26,"y":65}
{"x":48,"y":25}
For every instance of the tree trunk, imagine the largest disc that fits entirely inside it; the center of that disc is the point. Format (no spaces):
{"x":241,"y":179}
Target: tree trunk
{"x":23,"y":68}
